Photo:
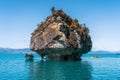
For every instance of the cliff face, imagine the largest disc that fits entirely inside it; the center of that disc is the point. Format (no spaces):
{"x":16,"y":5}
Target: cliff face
{"x":61,"y":38}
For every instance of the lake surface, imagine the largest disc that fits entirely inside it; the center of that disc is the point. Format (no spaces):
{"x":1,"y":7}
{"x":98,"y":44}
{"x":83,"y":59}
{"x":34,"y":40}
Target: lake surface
{"x":14,"y":67}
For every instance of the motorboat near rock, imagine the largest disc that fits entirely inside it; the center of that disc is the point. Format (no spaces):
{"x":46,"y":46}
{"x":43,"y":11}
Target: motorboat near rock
{"x":96,"y":56}
{"x":29,"y":56}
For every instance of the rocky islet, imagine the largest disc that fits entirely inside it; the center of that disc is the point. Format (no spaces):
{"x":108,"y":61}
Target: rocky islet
{"x":61,"y":38}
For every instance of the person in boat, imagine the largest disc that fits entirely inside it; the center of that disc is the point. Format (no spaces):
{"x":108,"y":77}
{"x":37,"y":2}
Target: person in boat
{"x":29,"y":55}
{"x":26,"y":55}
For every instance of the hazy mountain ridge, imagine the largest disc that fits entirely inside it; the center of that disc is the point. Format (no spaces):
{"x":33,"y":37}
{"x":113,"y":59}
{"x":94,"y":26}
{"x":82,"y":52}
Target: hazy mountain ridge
{"x":24,"y":50}
{"x":103,"y":52}
{"x":10,"y":50}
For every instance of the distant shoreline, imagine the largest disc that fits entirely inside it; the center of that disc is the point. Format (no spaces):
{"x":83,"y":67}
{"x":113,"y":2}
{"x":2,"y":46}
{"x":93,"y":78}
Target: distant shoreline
{"x":24,"y":50}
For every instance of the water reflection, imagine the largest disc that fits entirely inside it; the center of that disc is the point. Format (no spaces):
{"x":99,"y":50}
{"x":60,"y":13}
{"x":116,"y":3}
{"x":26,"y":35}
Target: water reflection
{"x":79,"y":70}
{"x":29,"y":61}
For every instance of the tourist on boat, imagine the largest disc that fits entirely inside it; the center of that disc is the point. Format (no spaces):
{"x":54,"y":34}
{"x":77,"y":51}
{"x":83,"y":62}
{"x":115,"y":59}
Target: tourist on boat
{"x":29,"y":56}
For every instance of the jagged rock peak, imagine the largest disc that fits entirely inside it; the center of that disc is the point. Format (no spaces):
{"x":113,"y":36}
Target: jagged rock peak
{"x":60,"y":37}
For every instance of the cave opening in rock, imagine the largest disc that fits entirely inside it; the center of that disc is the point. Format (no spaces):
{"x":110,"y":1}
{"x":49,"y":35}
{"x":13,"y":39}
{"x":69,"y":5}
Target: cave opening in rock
{"x":65,"y":57}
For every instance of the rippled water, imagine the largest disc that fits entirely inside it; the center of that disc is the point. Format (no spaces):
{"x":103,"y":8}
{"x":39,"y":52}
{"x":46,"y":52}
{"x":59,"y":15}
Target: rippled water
{"x":14,"y":67}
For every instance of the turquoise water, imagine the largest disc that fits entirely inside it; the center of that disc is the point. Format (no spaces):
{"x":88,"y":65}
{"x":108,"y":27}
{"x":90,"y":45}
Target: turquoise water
{"x":14,"y":67}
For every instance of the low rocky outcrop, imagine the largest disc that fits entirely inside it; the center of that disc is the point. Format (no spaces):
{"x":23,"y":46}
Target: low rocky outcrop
{"x":61,"y":38}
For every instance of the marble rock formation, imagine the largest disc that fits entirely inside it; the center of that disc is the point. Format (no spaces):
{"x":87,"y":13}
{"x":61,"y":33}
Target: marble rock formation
{"x":60,"y":37}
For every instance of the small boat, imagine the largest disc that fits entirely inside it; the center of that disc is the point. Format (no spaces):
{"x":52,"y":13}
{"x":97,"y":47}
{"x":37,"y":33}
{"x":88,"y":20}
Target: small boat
{"x":29,"y":56}
{"x":96,"y":56}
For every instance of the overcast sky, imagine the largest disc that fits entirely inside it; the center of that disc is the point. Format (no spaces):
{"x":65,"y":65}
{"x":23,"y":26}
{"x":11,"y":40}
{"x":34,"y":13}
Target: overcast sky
{"x":19,"y":18}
